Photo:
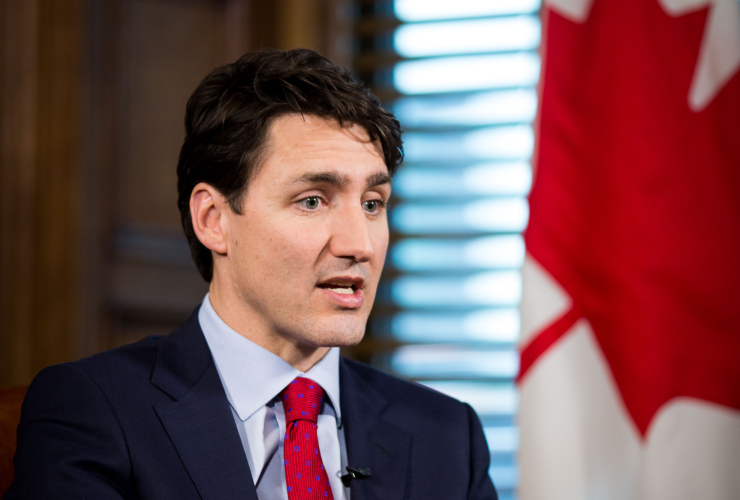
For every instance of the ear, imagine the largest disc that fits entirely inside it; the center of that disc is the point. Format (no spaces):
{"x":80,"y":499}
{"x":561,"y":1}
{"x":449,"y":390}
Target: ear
{"x":207,"y":211}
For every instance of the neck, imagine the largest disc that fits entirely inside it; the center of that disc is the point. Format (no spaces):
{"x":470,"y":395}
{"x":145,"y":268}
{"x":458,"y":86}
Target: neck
{"x":300,"y":356}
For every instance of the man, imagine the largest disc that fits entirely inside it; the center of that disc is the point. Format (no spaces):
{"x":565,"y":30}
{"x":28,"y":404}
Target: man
{"x":283,"y":181}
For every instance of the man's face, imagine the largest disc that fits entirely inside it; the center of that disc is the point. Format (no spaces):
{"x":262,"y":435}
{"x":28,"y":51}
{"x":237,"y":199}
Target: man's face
{"x":306,"y":255}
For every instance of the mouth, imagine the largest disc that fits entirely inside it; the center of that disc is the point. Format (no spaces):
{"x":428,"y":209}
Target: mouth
{"x":346,"y":292}
{"x":342,"y":285}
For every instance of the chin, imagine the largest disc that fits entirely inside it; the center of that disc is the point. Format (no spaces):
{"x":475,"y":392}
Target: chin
{"x":342,"y":333}
{"x":344,"y":340}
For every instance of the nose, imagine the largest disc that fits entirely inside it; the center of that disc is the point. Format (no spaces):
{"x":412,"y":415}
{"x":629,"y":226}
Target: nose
{"x":353,"y":234}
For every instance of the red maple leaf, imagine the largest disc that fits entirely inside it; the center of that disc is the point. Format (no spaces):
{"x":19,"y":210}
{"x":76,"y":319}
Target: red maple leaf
{"x":635,"y":209}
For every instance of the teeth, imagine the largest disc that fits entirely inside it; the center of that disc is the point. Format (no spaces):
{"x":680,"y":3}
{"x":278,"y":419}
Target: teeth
{"x":343,"y":287}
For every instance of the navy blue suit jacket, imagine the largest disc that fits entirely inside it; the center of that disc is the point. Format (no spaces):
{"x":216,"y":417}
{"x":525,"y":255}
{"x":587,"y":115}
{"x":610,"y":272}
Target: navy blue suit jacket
{"x":151,"y":421}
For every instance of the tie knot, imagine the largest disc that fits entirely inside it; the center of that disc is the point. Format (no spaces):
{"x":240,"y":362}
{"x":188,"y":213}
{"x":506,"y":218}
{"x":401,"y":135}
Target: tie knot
{"x":302,"y":400}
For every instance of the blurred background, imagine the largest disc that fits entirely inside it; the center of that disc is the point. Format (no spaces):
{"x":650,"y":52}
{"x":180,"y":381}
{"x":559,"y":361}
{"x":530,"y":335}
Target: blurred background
{"x":631,"y":251}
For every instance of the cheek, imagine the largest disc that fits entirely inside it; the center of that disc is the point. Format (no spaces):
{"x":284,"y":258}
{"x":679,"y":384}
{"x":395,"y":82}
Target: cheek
{"x":261,"y":251}
{"x":295,"y":250}
{"x":381,"y":238}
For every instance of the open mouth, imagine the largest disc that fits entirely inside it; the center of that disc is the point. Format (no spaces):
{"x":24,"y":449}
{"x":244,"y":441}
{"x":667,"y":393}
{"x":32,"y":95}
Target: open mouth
{"x":340,"y":286}
{"x":343,"y":285}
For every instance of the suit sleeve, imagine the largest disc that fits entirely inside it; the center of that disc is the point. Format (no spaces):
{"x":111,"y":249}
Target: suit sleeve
{"x":70,"y":443}
{"x":481,"y":486}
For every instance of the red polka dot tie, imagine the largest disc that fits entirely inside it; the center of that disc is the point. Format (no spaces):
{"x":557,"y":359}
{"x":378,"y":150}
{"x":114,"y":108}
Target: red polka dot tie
{"x":304,"y":470}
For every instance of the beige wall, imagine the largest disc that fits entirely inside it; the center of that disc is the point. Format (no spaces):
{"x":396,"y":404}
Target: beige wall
{"x":92,"y":98}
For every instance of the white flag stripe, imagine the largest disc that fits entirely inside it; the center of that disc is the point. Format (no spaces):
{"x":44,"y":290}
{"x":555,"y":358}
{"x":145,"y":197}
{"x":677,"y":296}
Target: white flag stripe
{"x":577,"y":442}
{"x":692,"y":451}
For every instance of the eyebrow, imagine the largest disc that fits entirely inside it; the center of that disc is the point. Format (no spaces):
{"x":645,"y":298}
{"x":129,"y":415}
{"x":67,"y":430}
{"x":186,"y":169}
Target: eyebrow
{"x":339,"y":180}
{"x":378,"y":179}
{"x":333,"y":178}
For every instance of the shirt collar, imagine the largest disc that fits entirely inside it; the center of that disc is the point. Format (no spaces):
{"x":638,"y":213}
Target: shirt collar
{"x":252,"y":375}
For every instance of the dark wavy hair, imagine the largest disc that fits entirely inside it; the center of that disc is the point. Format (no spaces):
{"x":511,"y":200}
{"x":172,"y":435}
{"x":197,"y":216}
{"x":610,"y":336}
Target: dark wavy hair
{"x":229,"y":115}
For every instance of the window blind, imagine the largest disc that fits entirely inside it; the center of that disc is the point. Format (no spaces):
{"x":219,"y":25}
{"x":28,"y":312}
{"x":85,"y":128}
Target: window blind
{"x":461,"y":77}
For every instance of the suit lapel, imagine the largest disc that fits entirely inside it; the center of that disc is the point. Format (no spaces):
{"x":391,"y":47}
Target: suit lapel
{"x":199,"y":421}
{"x":371,"y":441}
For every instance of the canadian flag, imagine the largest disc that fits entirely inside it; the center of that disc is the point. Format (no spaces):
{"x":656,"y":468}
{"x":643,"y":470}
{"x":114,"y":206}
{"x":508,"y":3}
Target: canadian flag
{"x":630,"y":351}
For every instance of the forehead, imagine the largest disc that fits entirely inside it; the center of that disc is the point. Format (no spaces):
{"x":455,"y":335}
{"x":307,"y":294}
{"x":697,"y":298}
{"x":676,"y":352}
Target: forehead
{"x":300,"y":144}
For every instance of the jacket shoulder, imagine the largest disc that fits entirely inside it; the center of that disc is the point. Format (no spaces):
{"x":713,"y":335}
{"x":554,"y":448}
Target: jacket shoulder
{"x":131,"y":360}
{"x":134,"y":364}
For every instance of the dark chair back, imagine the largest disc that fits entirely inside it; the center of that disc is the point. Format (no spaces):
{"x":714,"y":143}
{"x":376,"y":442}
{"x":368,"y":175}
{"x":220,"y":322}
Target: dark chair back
{"x":10,"y":414}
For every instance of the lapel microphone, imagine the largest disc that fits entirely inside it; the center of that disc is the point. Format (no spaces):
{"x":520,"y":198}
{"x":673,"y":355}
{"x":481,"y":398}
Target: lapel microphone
{"x":355,"y":473}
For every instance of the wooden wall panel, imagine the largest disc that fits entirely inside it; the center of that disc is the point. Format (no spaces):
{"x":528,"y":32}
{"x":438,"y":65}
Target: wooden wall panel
{"x":171,"y":46}
{"x":18,"y":81}
{"x":57,"y":242}
{"x":39,"y":148}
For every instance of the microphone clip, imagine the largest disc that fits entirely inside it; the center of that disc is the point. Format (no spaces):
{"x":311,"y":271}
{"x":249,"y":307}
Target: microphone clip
{"x":355,"y":473}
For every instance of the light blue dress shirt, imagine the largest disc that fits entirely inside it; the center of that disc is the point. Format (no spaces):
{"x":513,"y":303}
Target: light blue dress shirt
{"x":253,"y":378}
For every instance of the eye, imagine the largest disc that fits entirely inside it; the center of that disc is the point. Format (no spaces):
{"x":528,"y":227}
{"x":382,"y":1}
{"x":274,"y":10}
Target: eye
{"x":373,"y":206}
{"x":310,"y":203}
